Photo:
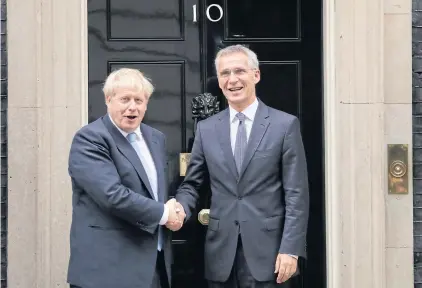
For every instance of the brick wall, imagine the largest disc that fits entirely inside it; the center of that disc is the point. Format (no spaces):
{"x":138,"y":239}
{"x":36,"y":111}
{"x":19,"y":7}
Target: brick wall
{"x":3,"y":144}
{"x":417,"y":137}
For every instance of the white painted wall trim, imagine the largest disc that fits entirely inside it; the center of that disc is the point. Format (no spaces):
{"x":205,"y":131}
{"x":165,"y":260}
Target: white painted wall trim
{"x":332,"y":202}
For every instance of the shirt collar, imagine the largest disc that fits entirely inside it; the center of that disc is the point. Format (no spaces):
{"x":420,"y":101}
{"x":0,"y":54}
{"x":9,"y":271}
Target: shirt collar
{"x":124,"y":133}
{"x":249,"y":111}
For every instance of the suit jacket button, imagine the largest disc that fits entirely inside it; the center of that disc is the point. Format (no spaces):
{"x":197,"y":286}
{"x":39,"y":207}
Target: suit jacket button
{"x":240,"y":197}
{"x":236,"y":222}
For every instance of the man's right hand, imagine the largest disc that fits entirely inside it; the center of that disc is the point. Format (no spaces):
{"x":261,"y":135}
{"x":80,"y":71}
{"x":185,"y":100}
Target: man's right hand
{"x":176,"y":217}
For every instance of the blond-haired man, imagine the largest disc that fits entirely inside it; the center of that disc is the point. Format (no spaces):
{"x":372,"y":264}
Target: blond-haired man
{"x":117,"y":165}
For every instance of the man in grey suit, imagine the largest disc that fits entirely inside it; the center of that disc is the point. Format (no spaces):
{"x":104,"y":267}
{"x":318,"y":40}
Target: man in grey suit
{"x":118,"y":170}
{"x":255,"y":160}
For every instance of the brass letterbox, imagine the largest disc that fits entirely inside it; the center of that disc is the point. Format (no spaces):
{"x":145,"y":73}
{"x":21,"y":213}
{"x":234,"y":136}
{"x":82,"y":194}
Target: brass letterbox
{"x":184,"y":159}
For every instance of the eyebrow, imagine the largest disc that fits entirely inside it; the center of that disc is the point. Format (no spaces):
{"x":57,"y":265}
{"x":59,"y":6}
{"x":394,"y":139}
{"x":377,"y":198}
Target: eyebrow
{"x":236,"y":68}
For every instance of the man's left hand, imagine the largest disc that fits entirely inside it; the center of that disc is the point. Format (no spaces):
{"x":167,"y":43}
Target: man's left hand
{"x":285,"y":266}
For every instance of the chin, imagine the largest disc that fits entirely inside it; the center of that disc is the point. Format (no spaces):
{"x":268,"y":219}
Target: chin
{"x":130,"y":127}
{"x":238,"y":99}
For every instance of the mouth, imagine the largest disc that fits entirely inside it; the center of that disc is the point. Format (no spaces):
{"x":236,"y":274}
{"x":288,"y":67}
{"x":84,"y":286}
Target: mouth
{"x":131,"y":117}
{"x":235,"y":89}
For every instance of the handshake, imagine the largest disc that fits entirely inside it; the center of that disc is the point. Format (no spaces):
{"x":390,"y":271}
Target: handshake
{"x":176,"y":215}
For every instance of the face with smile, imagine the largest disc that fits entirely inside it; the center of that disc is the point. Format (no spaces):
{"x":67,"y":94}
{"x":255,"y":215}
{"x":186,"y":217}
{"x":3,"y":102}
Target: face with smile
{"x":237,"y":79}
{"x":127,"y":108}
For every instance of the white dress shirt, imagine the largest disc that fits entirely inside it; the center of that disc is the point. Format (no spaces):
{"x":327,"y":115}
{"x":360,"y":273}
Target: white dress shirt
{"x":149,"y":166}
{"x":249,"y":112}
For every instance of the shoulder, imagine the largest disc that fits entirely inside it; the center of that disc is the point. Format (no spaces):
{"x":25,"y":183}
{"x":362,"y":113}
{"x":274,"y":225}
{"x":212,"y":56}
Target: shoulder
{"x":284,"y":122}
{"x":154,"y":131}
{"x":94,"y":127}
{"x":210,"y":121}
{"x":281,"y":117}
{"x":92,"y":132}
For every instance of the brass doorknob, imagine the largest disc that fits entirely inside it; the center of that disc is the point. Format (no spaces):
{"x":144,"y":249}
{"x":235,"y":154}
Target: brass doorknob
{"x":204,"y":216}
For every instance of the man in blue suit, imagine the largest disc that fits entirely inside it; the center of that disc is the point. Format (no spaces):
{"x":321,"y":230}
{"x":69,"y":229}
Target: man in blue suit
{"x":118,"y":170}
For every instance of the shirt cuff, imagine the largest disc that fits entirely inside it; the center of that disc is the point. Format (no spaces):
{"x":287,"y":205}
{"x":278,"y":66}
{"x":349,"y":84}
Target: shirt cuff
{"x":294,"y":256}
{"x":165,"y":216}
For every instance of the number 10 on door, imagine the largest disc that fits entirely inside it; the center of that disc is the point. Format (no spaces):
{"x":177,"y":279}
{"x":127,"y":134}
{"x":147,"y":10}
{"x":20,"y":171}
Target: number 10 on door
{"x":212,"y":6}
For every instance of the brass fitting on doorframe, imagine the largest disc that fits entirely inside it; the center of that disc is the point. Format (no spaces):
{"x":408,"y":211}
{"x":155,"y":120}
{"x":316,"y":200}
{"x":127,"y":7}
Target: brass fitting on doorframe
{"x":398,"y":168}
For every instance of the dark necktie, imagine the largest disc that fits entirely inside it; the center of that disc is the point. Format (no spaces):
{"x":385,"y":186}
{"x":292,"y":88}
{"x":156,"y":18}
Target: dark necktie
{"x":241,"y":142}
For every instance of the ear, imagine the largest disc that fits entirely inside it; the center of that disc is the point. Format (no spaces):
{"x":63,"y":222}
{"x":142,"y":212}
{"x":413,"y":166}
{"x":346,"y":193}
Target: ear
{"x":257,"y":76}
{"x":107,"y":100}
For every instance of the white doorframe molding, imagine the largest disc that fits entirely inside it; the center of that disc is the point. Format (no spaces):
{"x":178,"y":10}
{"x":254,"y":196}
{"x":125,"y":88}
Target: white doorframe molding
{"x":331,"y":196}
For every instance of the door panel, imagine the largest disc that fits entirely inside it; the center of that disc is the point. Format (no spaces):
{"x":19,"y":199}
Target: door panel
{"x":283,"y":76}
{"x":261,"y":20}
{"x":161,"y":39}
{"x":167,"y":17}
{"x":168,"y":93}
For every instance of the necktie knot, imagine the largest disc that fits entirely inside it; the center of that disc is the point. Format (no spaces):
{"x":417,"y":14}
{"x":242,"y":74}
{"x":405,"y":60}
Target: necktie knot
{"x":131,"y":137}
{"x":241,"y":116}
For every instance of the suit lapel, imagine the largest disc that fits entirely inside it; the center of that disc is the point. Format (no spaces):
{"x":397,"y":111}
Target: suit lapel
{"x":127,"y":150}
{"x":223,"y":130}
{"x":151,"y":139}
{"x":259,"y":127}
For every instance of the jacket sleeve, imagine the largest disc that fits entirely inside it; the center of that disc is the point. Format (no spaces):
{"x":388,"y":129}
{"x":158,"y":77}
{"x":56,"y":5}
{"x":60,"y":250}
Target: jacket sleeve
{"x":92,"y":169}
{"x":187,"y":194}
{"x":295,"y":183}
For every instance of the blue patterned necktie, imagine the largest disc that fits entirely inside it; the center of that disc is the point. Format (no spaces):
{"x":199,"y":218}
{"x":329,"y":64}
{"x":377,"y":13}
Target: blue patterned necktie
{"x":241,"y":142}
{"x":131,"y":137}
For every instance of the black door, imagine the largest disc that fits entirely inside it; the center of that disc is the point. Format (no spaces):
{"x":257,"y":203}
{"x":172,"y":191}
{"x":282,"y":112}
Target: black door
{"x":174,"y":43}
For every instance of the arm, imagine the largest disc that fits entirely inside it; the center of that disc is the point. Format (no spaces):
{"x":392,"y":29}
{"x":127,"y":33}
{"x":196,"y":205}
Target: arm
{"x":91,"y":168}
{"x":165,"y":216}
{"x":187,"y":194}
{"x":295,"y":183}
{"x":169,"y":217}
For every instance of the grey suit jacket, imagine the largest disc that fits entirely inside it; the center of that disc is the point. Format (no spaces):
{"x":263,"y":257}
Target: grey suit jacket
{"x":267,"y":203}
{"x":113,"y":237}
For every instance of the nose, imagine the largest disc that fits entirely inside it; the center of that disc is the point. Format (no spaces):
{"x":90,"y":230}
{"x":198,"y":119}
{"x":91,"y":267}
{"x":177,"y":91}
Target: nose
{"x":232,"y":77}
{"x":132,"y":105}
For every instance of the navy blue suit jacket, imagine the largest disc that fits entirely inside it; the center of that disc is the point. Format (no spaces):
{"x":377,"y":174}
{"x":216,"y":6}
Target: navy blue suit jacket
{"x":113,"y":237}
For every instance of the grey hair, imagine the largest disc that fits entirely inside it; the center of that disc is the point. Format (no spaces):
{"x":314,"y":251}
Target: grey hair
{"x":127,"y":78}
{"x":252,"y":58}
